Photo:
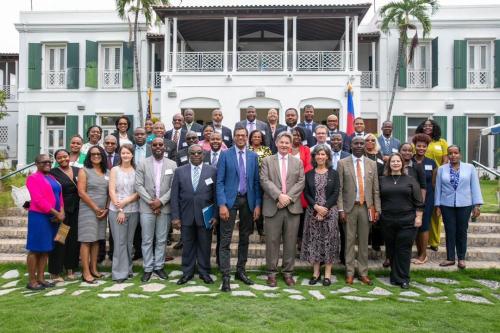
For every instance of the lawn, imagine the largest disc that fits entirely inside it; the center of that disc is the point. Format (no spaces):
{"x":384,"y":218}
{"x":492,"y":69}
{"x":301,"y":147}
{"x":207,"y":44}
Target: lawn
{"x":5,"y":189}
{"x":489,"y":189}
{"x":226,"y":313}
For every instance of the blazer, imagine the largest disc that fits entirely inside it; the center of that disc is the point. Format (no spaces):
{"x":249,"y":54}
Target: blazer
{"x":117,"y":136}
{"x":116,"y":159}
{"x":145,"y":184}
{"x":228,"y":178}
{"x":259,"y":125}
{"x":182,"y":157}
{"x":207,"y":157}
{"x":303,"y":125}
{"x":271,"y":139}
{"x":270,"y":180}
{"x":331,"y":191}
{"x":182,"y":138}
{"x":227,"y":136}
{"x":468,"y":192}
{"x":42,"y":196}
{"x":347,"y":178}
{"x":392,"y":148}
{"x":345,"y":139}
{"x":188,"y":204}
{"x":195,"y":127}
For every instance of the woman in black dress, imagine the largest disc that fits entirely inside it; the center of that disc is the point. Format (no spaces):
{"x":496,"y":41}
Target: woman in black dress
{"x":66,"y":255}
{"x":402,"y":209}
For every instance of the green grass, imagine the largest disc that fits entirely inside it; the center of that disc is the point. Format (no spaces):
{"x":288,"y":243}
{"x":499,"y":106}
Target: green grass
{"x":226,"y":313}
{"x":489,"y":190}
{"x":6,"y":187}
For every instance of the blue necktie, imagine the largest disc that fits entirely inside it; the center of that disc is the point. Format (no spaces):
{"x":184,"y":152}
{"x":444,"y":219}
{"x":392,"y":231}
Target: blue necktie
{"x":196,"y":177}
{"x":242,"y":189}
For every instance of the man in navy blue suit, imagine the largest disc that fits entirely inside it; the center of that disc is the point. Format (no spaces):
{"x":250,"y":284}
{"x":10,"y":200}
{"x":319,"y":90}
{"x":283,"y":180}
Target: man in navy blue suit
{"x":238,"y":190}
{"x":225,"y":132}
{"x":291,"y":119}
{"x":308,"y":122}
{"x":193,"y":189}
{"x":388,"y":143}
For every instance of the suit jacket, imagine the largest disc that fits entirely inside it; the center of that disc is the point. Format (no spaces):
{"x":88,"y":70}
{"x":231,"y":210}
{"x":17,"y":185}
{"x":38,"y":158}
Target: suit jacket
{"x":145,"y":184}
{"x":228,"y":177}
{"x":392,"y":148}
{"x":227,"y":136}
{"x":259,"y":125}
{"x":349,"y":139}
{"x":195,"y":127}
{"x":343,"y":155}
{"x":182,"y":157}
{"x":331,"y":190}
{"x":303,"y":125}
{"x":347,"y":191}
{"x":207,"y":157}
{"x":468,"y":192}
{"x":270,"y":180}
{"x":188,"y":204}
{"x":117,"y":136}
{"x":182,"y":138}
{"x":271,"y":139}
{"x":116,"y":159}
{"x":345,"y":139}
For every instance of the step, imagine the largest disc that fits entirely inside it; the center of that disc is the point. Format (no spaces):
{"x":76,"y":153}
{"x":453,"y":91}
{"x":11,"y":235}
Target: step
{"x":484,"y":239}
{"x":484,"y":228}
{"x":13,"y":221}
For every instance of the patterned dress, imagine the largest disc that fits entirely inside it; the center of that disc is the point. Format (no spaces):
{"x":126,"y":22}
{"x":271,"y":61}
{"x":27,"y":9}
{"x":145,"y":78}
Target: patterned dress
{"x":262,"y":152}
{"x":321,"y":239}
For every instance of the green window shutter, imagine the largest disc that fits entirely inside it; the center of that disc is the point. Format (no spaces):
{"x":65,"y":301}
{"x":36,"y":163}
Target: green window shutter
{"x":33,"y":139}
{"x":402,"y":69}
{"x":460,"y":134}
{"x":91,"y":64}
{"x":131,"y":129}
{"x":399,"y":128}
{"x":497,"y":144}
{"x":88,"y":120}
{"x":443,"y":123}
{"x":460,"y":64}
{"x":71,"y":128}
{"x":435,"y":62}
{"x":35,"y":66}
{"x":73,"y":61}
{"x":497,"y":64}
{"x":128,"y":65}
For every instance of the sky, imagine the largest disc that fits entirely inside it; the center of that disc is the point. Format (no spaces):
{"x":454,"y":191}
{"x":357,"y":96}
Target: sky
{"x":9,"y":13}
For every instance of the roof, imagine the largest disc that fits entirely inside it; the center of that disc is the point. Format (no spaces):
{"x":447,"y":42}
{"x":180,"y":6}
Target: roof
{"x":264,"y":3}
{"x":9,"y":56}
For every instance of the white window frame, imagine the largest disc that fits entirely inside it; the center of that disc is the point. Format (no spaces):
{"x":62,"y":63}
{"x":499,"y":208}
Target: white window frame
{"x":55,"y":78}
{"x":489,"y":140}
{"x":475,"y":74}
{"x":418,"y":76}
{"x":110,"y":78}
{"x":45,"y":132}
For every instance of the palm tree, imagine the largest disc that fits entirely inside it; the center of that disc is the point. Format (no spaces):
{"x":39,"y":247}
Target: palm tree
{"x":134,"y":8}
{"x":401,"y":14}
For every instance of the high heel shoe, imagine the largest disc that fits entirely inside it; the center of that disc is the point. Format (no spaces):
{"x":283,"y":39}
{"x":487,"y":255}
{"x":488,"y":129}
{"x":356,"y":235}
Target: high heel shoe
{"x":97,"y":275}
{"x":314,"y":280}
{"x":88,"y":281}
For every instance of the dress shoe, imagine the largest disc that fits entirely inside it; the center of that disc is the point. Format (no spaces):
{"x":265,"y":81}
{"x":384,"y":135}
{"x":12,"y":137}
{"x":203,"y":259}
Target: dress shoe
{"x":433,"y":248}
{"x":376,"y":248}
{"x":289,"y":281}
{"x":243,"y":278}
{"x":405,"y":285}
{"x":184,"y":279}
{"x":461,"y":264}
{"x":314,"y":280}
{"x":120,"y":280}
{"x":226,"y":283}
{"x":207,"y":279}
{"x":161,"y":274}
{"x":349,"y":280}
{"x":327,"y":282}
{"x":178,"y":246}
{"x":447,"y":263}
{"x":146,"y":276}
{"x":130,"y":275}
{"x":271,"y":281}
{"x":387,"y":263}
{"x":365,"y":280}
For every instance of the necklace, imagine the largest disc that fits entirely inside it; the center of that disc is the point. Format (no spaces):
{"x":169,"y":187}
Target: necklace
{"x":395,"y":180}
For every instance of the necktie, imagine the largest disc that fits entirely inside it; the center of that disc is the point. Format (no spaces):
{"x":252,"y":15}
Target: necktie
{"x":196,"y":177}
{"x":335,"y":160}
{"x":283,"y":175}
{"x":214,"y":159}
{"x":361,"y":185}
{"x":110,"y":161}
{"x":242,"y":189}
{"x":309,"y":126}
{"x":176,"y":136}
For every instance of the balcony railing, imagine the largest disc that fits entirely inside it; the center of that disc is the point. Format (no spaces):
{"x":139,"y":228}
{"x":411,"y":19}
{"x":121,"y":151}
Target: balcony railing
{"x":56,"y":79}
{"x":155,"y":79}
{"x":478,"y":79}
{"x":369,"y":79}
{"x":200,"y":61}
{"x":9,"y":91}
{"x":418,"y":79}
{"x":111,"y":78}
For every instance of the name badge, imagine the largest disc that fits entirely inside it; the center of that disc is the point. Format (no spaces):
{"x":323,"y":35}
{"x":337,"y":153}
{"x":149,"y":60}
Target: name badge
{"x":169,"y":172}
{"x":428,"y":167}
{"x":304,"y":142}
{"x":394,"y":150}
{"x":106,"y":177}
{"x":226,"y":138}
{"x":76,"y":178}
{"x":184,"y":158}
{"x":314,"y":134}
{"x":198,"y":133}
{"x":184,"y":144}
{"x":209,"y":181}
{"x":380,"y":161}
{"x":263,"y":132}
{"x":438,"y":148}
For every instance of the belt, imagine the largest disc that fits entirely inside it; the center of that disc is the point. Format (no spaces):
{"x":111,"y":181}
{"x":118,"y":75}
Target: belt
{"x":358,"y":203}
{"x":240,"y":195}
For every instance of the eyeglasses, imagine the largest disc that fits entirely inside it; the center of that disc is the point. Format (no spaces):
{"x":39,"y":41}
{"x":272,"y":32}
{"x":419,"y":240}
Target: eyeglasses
{"x":157,"y":145}
{"x":196,"y":153}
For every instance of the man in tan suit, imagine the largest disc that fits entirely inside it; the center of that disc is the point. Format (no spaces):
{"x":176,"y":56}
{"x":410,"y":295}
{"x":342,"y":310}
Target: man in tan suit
{"x":281,"y":207}
{"x":359,"y":194}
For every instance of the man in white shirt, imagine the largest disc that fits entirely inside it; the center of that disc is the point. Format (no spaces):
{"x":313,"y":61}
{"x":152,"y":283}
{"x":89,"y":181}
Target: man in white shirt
{"x":321,"y":136}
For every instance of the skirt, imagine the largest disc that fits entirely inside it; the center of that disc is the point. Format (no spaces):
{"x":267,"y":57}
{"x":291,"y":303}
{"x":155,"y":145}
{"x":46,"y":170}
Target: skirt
{"x":41,"y":232}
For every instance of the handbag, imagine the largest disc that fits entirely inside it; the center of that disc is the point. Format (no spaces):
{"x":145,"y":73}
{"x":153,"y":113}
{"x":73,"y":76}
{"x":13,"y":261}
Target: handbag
{"x":62,"y":233}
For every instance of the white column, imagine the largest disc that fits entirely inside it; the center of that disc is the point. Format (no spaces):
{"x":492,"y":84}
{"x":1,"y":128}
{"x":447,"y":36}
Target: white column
{"x":152,"y":65}
{"x":17,"y":78}
{"x":355,"y":44}
{"x":174,"y":46}
{"x":166,"y":46}
{"x":374,"y":70}
{"x":235,"y":43}
{"x":294,"y":44}
{"x":285,"y":44}
{"x":346,"y":37}
{"x":225,"y":56}
{"x":7,"y":78}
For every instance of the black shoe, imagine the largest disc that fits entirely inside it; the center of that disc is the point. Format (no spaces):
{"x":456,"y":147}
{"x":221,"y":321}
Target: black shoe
{"x":243,"y":278}
{"x":314,"y":280}
{"x":137,"y":256}
{"x":146,"y":276}
{"x":161,"y":274}
{"x":47,"y":284}
{"x":226,"y":283}
{"x":207,"y":279}
{"x":433,"y":248}
{"x":327,"y":282}
{"x":184,"y":279}
{"x":178,"y":246}
{"x":405,"y":285}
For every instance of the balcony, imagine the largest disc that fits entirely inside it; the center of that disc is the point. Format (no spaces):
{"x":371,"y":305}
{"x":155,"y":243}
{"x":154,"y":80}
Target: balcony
{"x":418,"y":79}
{"x":111,"y":78}
{"x":478,"y":79}
{"x":56,"y":79}
{"x":9,"y":91}
{"x":369,"y":79}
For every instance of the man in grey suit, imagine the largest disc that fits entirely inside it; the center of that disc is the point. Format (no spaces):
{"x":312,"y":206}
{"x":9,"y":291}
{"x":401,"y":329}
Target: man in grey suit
{"x":387,"y":142}
{"x":359,"y":194}
{"x":193,"y":190}
{"x":251,"y":123}
{"x":153,"y":180}
{"x":282,"y":180}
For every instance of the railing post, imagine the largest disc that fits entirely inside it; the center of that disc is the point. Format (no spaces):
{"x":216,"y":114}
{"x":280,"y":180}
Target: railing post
{"x":346,"y":37}
{"x":166,"y":46}
{"x":235,"y":43}
{"x":285,"y":44}
{"x":174,"y":46}
{"x":374,"y":71}
{"x":225,"y":57}
{"x":17,"y":78}
{"x":7,"y":80}
{"x":355,"y":44}
{"x":152,"y":76}
{"x":294,"y":45}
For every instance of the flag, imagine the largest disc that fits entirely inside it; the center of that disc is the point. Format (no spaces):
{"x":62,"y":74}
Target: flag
{"x":149,"y":114}
{"x":350,"y":111}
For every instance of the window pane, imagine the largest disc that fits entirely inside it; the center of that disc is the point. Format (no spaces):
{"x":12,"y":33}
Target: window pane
{"x":480,"y":122}
{"x":61,"y":59}
{"x":106,"y":58}
{"x":109,"y":121}
{"x":51,"y":138}
{"x":422,"y":57}
{"x":51,"y":59}
{"x":117,"y":58}
{"x":483,"y":57}
{"x":60,"y":142}
{"x":471,"y":57}
{"x":55,"y":121}
{"x":477,"y":141}
{"x":415,"y":121}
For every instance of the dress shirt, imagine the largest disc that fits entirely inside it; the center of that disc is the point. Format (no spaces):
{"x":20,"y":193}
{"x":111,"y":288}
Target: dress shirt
{"x":309,"y":126}
{"x":212,"y":153}
{"x":251,"y":125}
{"x":362,"y":134}
{"x":140,"y":153}
{"x":362,"y":163}
{"x":335,"y":158}
{"x":280,"y":160}
{"x":238,"y":156}
{"x":217,"y":127}
{"x":158,"y":165}
{"x":192,"y":170}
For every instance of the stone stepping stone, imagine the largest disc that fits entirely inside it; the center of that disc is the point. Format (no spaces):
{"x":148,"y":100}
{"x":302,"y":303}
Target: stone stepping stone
{"x":11,"y":284}
{"x":262,"y":277}
{"x":441,"y":280}
{"x":377,"y":291}
{"x":95,"y":285}
{"x":117,"y":287}
{"x":79,"y":292}
{"x":316,"y":294}
{"x":271,"y":295}
{"x":30,"y":294}
{"x":297,"y":297}
{"x":262,"y":287}
{"x":437,"y":298}
{"x":194,"y":289}
{"x":474,"y":290}
{"x":153,"y":287}
{"x":427,"y":289}
{"x":343,"y":290}
{"x":472,"y":299}
{"x":409,"y":294}
{"x":65,"y":283}
{"x":232,"y":285}
{"x":166,"y":296}
{"x":55,"y":292}
{"x":292,"y":291}
{"x":138,"y":296}
{"x":359,"y":298}
{"x":385,"y":281}
{"x":191,"y":282}
{"x":497,"y":296}
{"x":408,"y":300}
{"x":105,"y":295}
{"x":209,"y":295}
{"x":494,"y":285}
{"x":174,"y":274}
{"x":7,"y":291}
{"x":213,"y":277}
{"x":243,"y":293}
{"x":12,"y":274}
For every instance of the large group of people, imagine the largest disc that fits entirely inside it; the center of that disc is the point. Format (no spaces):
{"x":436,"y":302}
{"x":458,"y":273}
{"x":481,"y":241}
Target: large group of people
{"x":305,"y":186}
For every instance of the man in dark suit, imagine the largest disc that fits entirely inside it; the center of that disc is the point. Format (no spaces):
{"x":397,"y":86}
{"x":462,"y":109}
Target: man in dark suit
{"x":193,"y":189}
{"x":251,"y":122}
{"x":177,"y":134}
{"x":182,"y":155}
{"x":170,"y":146}
{"x":388,"y":143}
{"x":273,"y":127}
{"x":225,"y":132}
{"x":308,"y":121}
{"x":332,"y":123}
{"x":359,"y":129}
{"x":190,"y":124}
{"x":238,"y":191}
{"x":291,"y":119}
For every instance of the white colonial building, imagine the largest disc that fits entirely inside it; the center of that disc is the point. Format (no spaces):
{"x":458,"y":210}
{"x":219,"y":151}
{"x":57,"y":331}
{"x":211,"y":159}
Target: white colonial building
{"x":76,"y":69}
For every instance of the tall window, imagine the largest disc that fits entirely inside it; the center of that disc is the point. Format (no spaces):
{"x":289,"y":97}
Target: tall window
{"x":111,"y":71}
{"x":418,"y":72}
{"x":54,"y":133}
{"x":412,"y":125}
{"x":55,"y":66}
{"x":477,"y":145}
{"x":478,"y":74}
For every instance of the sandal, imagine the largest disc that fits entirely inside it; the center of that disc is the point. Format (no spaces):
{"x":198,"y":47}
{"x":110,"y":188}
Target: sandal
{"x":88,"y":281}
{"x":58,"y":280}
{"x":47,"y":284}
{"x":417,"y":261}
{"x":97,"y":275}
{"x":36,"y":287}
{"x":71,"y":277}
